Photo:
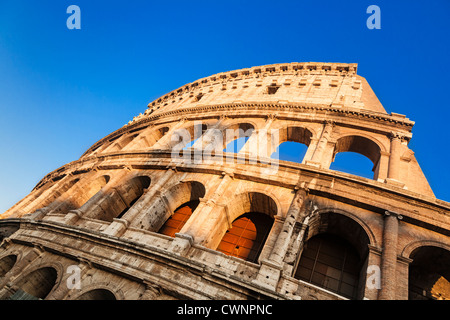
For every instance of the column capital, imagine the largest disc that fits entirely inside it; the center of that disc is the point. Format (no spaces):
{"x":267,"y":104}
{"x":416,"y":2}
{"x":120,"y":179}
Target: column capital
{"x":172,"y":167}
{"x":393,"y":214}
{"x":228,"y":173}
{"x":393,"y":135}
{"x":329,"y":122}
{"x":301,"y":186}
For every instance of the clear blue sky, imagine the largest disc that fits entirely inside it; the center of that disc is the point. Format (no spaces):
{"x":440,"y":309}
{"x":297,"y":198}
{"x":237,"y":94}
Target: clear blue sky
{"x":62,"y":90}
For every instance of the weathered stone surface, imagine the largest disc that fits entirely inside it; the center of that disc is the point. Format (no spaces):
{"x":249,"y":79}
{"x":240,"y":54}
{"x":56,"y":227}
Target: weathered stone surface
{"x":101,"y":215}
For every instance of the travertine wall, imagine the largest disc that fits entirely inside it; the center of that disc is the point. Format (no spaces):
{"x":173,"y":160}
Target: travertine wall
{"x":103,"y":212}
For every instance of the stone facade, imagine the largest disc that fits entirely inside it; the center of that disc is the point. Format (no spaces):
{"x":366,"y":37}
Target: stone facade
{"x":92,"y":228}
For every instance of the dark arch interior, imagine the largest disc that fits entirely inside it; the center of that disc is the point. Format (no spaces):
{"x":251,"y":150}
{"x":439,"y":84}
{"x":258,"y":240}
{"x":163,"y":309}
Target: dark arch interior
{"x":429,"y":274}
{"x":340,"y":270}
{"x":97,"y":294}
{"x":132,"y":194}
{"x":6,"y":264}
{"x":331,"y":262}
{"x":36,"y":285}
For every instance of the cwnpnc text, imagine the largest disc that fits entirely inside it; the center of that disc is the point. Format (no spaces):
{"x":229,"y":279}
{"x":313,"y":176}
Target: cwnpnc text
{"x":226,"y":309}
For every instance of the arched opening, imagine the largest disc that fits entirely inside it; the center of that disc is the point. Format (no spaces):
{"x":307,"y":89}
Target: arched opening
{"x":253,"y":215}
{"x":236,"y":136}
{"x":6,"y":264}
{"x":78,"y":195}
{"x":116,"y":202}
{"x":147,"y":138}
{"x":130,"y":193}
{"x":35,"y":285}
{"x":293,"y":144}
{"x":186,"y":137}
{"x":179,"y":218}
{"x":247,"y":236}
{"x":236,"y":145}
{"x":122,"y":142}
{"x":332,"y":263}
{"x":334,"y":253}
{"x":290,"y":151}
{"x":355,"y":164}
{"x":7,"y":230}
{"x":171,"y":211}
{"x":49,"y":200}
{"x":429,"y":274}
{"x":97,"y":294}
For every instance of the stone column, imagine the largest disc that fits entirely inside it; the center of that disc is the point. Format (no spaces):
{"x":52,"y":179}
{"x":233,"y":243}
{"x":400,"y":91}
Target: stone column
{"x":284,"y":238}
{"x":203,"y":222}
{"x":394,"y":160}
{"x":118,"y":226}
{"x":389,"y":256}
{"x":317,"y":157}
{"x":258,"y":144}
{"x":152,"y":291}
{"x":270,"y":271}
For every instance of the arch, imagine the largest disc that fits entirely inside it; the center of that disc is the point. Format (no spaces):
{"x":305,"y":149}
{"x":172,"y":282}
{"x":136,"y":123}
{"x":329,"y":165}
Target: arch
{"x":293,"y":143}
{"x":122,"y":142}
{"x":342,"y":223}
{"x":408,"y":249}
{"x":176,"y":206}
{"x":36,"y":284}
{"x":252,"y":201}
{"x":147,"y":138}
{"x":236,"y":135}
{"x":132,"y":191}
{"x":366,"y":146}
{"x":429,"y":281}
{"x":331,"y":227}
{"x":250,"y":219}
{"x":331,"y":262}
{"x":295,"y":134}
{"x":186,"y":136}
{"x":362,"y":145}
{"x":78,"y":195}
{"x":179,"y":218}
{"x":246,"y":236}
{"x":6,"y":264}
{"x":120,"y":199}
{"x":97,"y":294}
{"x":47,"y":196}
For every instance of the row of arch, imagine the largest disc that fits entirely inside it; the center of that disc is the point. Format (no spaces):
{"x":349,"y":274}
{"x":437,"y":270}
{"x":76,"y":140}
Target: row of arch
{"x":104,"y":197}
{"x":334,"y":257}
{"x":355,"y":153}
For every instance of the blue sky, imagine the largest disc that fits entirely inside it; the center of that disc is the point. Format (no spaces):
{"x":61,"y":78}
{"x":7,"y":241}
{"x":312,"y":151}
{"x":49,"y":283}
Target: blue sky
{"x":62,"y":90}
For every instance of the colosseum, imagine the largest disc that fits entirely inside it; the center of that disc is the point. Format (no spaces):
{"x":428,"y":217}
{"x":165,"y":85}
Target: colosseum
{"x":189,"y":201}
